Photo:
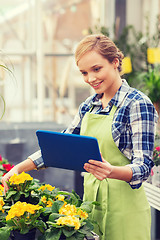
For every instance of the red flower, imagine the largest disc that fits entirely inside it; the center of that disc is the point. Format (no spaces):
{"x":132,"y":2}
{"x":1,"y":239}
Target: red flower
{"x":158,"y":148}
{"x":1,"y":158}
{"x":7,"y":167}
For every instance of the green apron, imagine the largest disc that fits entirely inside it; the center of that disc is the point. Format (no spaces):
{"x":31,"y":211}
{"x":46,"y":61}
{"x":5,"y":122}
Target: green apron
{"x":124,"y":213}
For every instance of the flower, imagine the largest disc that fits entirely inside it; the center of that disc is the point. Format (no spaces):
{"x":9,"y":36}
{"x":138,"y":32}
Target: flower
{"x":46,"y":187}
{"x":156,"y":155}
{"x":19,"y":209}
{"x":1,"y":203}
{"x":1,"y":190}
{"x":60,"y":197}
{"x":29,"y":204}
{"x":69,"y":220}
{"x":5,"y":166}
{"x":21,"y":178}
{"x":68,"y":210}
{"x":157,"y":149}
{"x":43,"y":199}
{"x":82,"y":214}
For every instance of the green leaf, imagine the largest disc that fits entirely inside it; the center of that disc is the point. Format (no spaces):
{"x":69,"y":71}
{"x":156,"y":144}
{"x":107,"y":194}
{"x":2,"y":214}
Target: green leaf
{"x":54,"y":216}
{"x":54,"y":225}
{"x":4,"y":233}
{"x":68,"y":233}
{"x":76,"y":236}
{"x":40,"y":225}
{"x":9,"y":194}
{"x":53,"y":234}
{"x":17,"y":196}
{"x":87,"y":206}
{"x":56,"y":206}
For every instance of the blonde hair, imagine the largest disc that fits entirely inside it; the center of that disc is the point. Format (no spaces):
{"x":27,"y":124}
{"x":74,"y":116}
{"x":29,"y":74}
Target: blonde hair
{"x":102,"y":45}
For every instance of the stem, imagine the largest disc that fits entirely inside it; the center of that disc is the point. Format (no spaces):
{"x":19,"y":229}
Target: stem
{"x":15,"y":222}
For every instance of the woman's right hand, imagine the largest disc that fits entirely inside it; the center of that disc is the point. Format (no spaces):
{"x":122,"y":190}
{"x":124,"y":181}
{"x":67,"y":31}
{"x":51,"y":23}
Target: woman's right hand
{"x":7,"y":176}
{"x":24,"y":166}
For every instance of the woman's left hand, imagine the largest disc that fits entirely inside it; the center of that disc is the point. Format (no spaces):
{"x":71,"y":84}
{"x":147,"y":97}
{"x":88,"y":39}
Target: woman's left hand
{"x":101,"y":170}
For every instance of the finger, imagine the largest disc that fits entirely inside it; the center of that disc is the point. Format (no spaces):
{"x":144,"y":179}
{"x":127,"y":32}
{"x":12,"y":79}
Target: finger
{"x":5,"y":187}
{"x":93,"y":169}
{"x":99,"y":175}
{"x":4,"y":181}
{"x":96,"y":163}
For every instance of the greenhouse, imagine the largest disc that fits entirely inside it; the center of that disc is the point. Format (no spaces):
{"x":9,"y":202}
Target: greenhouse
{"x":57,"y":76}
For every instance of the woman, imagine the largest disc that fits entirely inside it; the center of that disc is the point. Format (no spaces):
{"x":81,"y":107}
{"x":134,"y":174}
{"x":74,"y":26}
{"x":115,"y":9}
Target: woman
{"x":123,"y":120}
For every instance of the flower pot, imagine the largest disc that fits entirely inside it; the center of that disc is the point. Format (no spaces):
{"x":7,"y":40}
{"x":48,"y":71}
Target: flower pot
{"x":16,"y":235}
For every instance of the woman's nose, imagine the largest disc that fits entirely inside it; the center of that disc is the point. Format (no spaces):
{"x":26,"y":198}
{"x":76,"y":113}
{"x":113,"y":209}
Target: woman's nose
{"x":91,"y":78}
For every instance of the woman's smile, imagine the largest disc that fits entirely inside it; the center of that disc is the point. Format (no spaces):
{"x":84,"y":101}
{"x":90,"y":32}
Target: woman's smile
{"x":96,"y":85}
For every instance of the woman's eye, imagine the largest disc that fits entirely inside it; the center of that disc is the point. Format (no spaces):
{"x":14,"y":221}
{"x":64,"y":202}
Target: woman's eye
{"x":84,"y":73}
{"x":97,"y":69}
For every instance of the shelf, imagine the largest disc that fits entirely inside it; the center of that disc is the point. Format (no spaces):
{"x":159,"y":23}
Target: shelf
{"x":153,"y":195}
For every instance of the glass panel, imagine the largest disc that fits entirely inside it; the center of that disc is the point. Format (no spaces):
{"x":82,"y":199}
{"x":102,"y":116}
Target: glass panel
{"x":16,"y":21}
{"x":37,"y":43}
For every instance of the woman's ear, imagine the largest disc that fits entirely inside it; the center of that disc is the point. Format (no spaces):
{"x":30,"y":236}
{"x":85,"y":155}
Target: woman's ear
{"x":116,"y":63}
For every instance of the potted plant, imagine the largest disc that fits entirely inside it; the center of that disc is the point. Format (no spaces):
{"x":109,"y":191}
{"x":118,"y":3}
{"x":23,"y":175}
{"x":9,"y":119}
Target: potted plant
{"x":29,"y":205}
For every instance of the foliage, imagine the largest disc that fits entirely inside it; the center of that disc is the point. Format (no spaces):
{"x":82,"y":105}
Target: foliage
{"x":156,"y":155}
{"x":29,"y":204}
{"x":151,"y":86}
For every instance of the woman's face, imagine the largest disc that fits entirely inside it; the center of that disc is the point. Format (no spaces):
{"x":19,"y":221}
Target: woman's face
{"x":99,"y":73}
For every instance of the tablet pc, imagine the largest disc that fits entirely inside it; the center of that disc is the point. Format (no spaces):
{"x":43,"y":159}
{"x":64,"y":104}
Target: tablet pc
{"x":67,"y":151}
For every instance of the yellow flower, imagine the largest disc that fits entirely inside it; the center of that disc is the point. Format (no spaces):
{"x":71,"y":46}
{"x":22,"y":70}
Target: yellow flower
{"x":69,"y":220}
{"x":82,"y":214}
{"x":32,"y":208}
{"x":1,"y":190}
{"x":1,"y":201}
{"x":68,"y":210}
{"x":49,"y":203}
{"x":1,"y":204}
{"x":60,"y":197}
{"x":19,"y":208}
{"x":21,"y":178}
{"x":43,"y":199}
{"x":46,"y":186}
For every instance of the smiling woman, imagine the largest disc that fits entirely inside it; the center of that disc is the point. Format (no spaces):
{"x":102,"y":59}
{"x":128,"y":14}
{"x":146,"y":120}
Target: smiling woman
{"x":123,"y":120}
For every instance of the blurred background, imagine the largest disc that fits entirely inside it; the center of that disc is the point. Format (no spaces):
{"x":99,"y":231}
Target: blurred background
{"x":40,"y":85}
